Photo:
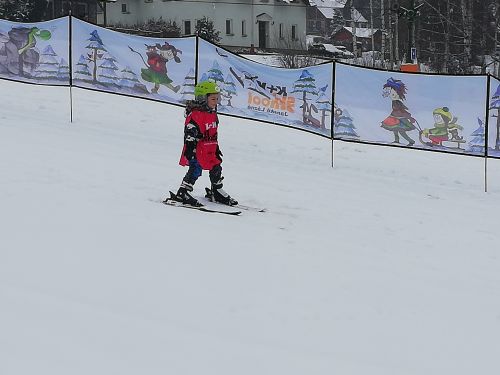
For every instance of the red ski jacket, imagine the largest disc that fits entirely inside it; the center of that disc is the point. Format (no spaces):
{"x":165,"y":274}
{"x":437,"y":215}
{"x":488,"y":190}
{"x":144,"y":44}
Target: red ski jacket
{"x":206,"y":148}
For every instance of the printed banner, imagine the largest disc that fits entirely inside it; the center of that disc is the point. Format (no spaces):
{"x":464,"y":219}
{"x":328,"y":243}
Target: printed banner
{"x":494,"y":119}
{"x":35,"y":52}
{"x":160,"y":69}
{"x":440,"y":113}
{"x":300,"y":98}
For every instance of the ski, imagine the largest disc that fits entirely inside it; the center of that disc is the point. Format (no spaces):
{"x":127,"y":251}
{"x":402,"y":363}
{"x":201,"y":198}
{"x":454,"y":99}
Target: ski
{"x":172,"y":202}
{"x":210,"y":198}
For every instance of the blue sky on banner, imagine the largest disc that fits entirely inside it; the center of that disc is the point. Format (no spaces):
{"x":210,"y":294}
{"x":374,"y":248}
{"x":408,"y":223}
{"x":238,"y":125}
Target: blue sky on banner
{"x":35,"y":52}
{"x":301,"y":98}
{"x":442,"y":113}
{"x":494,"y":120}
{"x":156,"y":68}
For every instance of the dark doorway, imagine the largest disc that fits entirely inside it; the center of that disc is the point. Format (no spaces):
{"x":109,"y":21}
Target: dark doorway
{"x":262,"y":34}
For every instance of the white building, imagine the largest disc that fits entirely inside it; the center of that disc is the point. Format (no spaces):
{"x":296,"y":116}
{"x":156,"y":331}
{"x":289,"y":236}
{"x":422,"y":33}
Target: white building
{"x":261,"y":23}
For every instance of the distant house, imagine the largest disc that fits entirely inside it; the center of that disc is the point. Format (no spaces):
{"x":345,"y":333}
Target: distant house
{"x":344,"y":37}
{"x":84,"y":9}
{"x":243,"y":23}
{"x":320,"y":14}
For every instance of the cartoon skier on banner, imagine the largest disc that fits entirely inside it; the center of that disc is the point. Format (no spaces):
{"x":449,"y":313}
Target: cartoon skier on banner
{"x":400,"y":121}
{"x":18,"y":55}
{"x":156,"y":66}
{"x":445,"y":128}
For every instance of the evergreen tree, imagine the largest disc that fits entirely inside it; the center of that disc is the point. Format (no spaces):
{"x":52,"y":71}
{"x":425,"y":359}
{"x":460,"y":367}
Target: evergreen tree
{"x":343,"y":124}
{"x":215,"y":74}
{"x":187,"y":90}
{"x":229,"y":89}
{"x":82,"y":72}
{"x":129,"y":78}
{"x":16,"y":10}
{"x":205,"y":29}
{"x":63,"y":71}
{"x":306,"y":85}
{"x":96,"y":52}
{"x":107,"y":71}
{"x":324,"y":105}
{"x":477,"y":144}
{"x":48,"y":66}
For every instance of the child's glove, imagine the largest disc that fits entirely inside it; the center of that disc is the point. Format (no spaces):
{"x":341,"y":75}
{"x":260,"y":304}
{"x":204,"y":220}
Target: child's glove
{"x":190,"y":151}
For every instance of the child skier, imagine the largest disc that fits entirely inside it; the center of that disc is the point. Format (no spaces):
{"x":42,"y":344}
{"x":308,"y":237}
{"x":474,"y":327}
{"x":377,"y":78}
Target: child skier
{"x":201,"y":150}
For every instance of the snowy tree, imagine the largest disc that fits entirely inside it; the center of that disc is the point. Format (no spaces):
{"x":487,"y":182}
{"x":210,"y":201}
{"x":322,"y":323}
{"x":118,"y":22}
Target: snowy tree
{"x":82,"y":72}
{"x":63,"y":71}
{"x":229,"y":89}
{"x":495,"y":104}
{"x":324,"y":105}
{"x":215,"y":74}
{"x":107,"y":71}
{"x":96,"y":52}
{"x":128,"y":78}
{"x":205,"y":29}
{"x":16,"y":10}
{"x":477,"y":144}
{"x":188,"y":86}
{"x":204,"y":77}
{"x":48,"y":66}
{"x":306,"y":85}
{"x":343,"y":124}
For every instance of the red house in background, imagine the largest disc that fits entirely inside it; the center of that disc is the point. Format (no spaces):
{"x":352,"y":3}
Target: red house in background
{"x":344,"y":37}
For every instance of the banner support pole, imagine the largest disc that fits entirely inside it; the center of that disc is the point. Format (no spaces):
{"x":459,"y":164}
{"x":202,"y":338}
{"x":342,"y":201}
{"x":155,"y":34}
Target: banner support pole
{"x":70,"y":64}
{"x":486,"y":131}
{"x":332,"y":113}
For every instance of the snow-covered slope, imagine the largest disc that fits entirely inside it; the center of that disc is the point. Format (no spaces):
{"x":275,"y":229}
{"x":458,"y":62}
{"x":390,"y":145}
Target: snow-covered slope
{"x":386,"y":264}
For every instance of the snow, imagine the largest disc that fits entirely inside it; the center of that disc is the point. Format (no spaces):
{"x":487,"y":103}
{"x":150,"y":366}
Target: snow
{"x":386,"y":264}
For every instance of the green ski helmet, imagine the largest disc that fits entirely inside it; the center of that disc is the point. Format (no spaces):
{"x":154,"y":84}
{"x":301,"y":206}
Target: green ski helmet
{"x":202,"y":89}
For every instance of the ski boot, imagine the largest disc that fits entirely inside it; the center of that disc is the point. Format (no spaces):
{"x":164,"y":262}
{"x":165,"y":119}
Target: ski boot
{"x":217,"y":194}
{"x":184,"y":197}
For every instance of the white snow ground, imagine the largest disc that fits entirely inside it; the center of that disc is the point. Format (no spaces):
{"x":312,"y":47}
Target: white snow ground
{"x":386,"y":264}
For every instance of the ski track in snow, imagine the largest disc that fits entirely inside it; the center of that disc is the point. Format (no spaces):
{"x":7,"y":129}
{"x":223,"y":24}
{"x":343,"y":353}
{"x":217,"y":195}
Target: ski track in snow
{"x":386,"y":264}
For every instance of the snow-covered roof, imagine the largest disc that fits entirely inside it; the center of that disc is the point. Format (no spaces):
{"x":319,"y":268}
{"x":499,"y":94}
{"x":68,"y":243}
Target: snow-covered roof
{"x":327,"y":7}
{"x":362,"y":32}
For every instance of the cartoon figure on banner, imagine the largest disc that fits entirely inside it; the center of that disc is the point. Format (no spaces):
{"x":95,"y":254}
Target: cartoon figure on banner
{"x":156,"y":65}
{"x":400,"y":121}
{"x":18,"y":55}
{"x":445,"y":129}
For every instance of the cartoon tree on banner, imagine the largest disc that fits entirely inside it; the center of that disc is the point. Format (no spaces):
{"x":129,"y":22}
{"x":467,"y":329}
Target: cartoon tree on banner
{"x":82,"y":70}
{"x":495,"y":104}
{"x":229,"y":89}
{"x":48,"y":65}
{"x":204,"y":77}
{"x":63,"y":72}
{"x":96,"y":52}
{"x":107,"y":71}
{"x":129,"y":80}
{"x":324,"y":105}
{"x":215,"y":74}
{"x":306,"y":84}
{"x":343,"y":124}
{"x":187,"y":90}
{"x":477,"y":143}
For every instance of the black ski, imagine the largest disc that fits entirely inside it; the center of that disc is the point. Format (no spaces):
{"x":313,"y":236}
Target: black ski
{"x":172,"y":202}
{"x":210,"y":197}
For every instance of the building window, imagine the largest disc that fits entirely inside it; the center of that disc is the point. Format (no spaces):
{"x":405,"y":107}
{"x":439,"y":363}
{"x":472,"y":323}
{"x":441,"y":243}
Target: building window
{"x":187,"y":27}
{"x":294,"y":32}
{"x":124,"y":8}
{"x":229,"y":27}
{"x":282,"y":31}
{"x":243,"y":28}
